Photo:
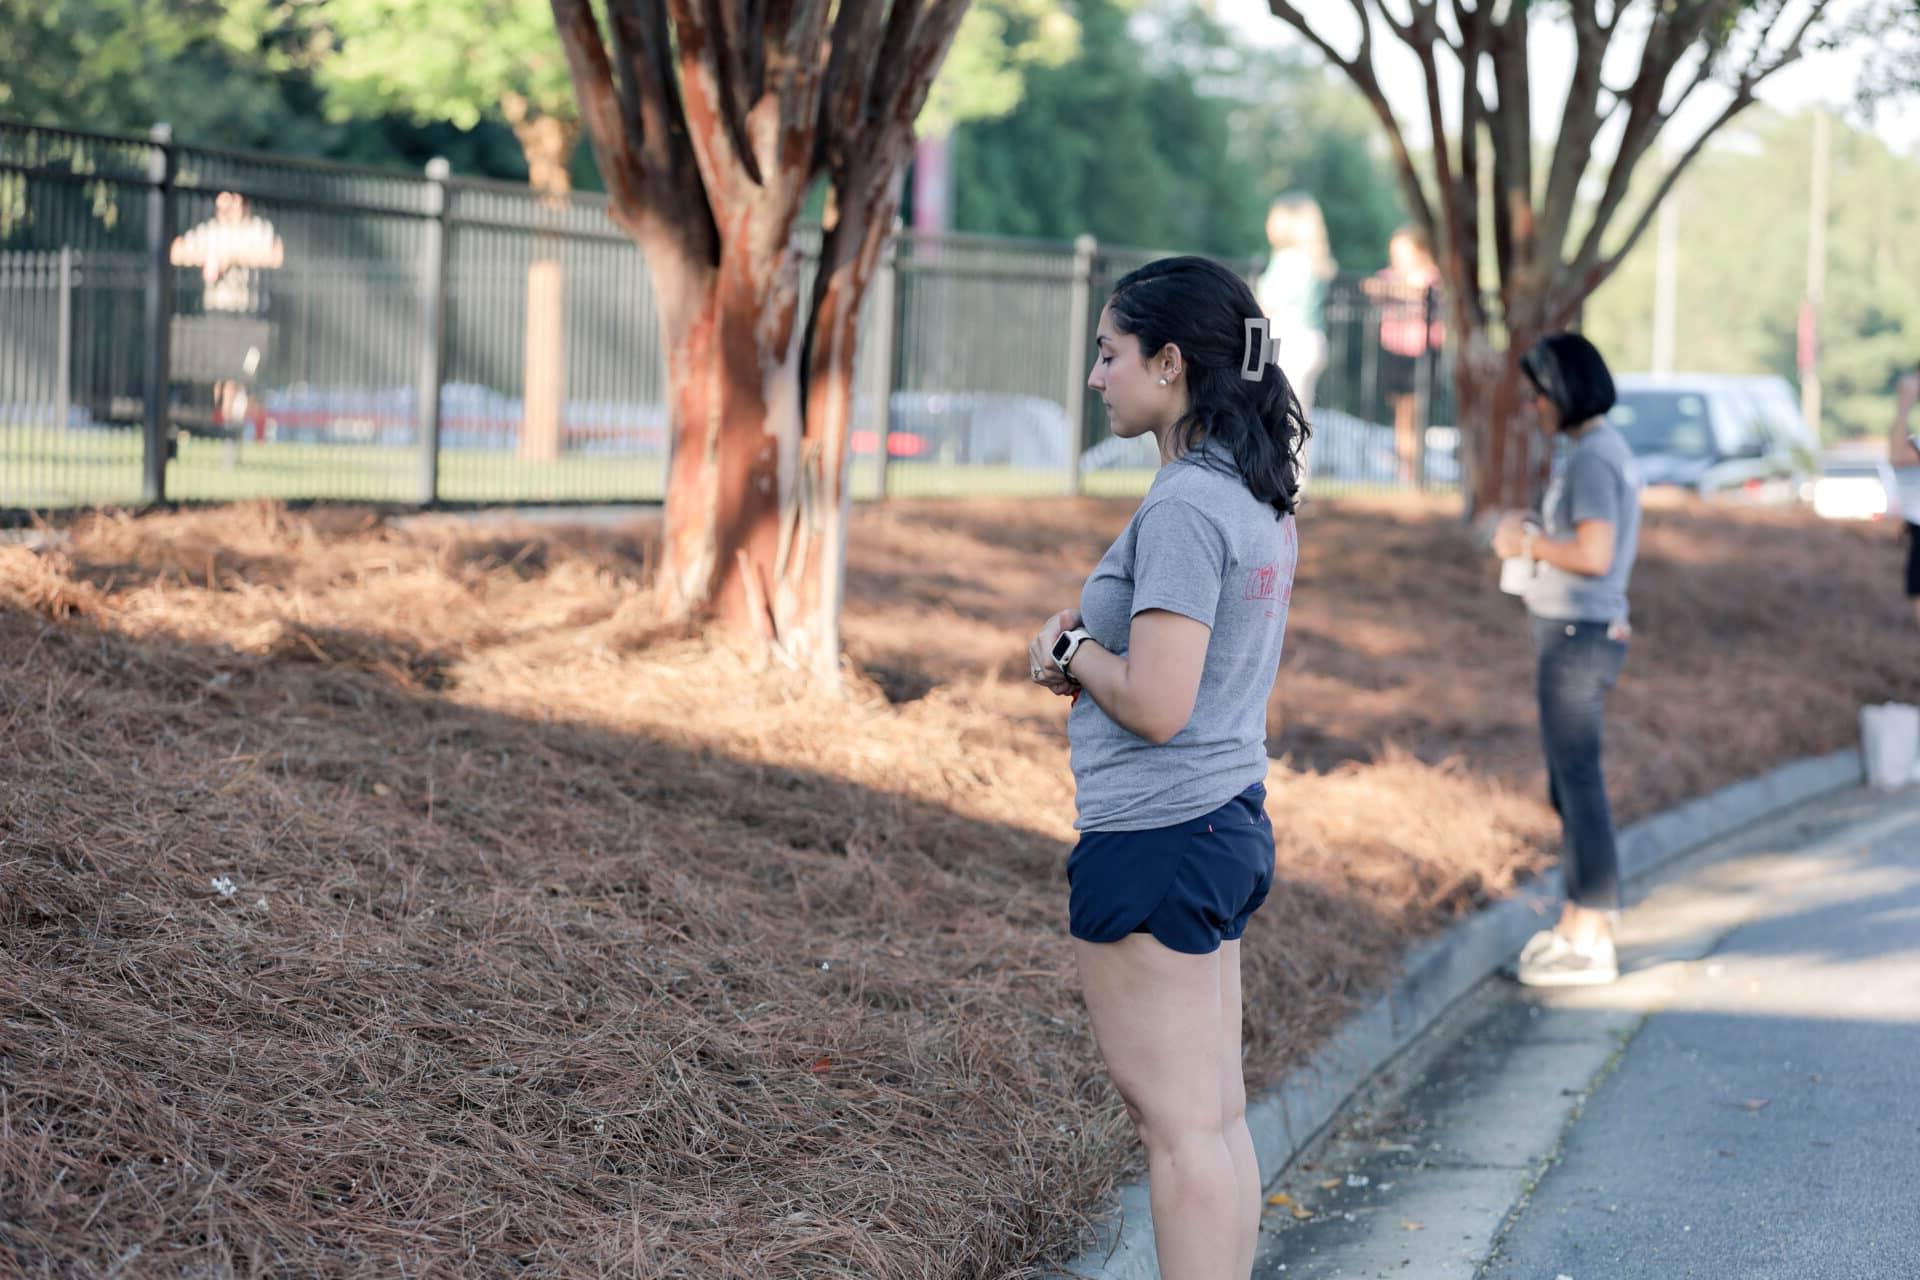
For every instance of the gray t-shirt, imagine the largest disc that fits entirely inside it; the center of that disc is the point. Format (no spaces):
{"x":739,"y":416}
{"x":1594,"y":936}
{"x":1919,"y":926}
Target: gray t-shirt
{"x":1202,"y":546}
{"x":1906,"y":495}
{"x":1594,"y":478}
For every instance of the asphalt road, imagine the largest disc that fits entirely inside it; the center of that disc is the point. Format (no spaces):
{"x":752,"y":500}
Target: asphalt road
{"x":1743,"y":1105}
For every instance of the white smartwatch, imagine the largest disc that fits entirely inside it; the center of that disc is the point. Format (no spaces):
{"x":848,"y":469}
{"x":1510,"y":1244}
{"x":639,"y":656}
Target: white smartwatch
{"x":1065,"y":645}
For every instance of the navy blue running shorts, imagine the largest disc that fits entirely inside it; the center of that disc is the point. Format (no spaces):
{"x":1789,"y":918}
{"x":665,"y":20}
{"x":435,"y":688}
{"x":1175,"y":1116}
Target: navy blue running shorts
{"x":1193,"y":885}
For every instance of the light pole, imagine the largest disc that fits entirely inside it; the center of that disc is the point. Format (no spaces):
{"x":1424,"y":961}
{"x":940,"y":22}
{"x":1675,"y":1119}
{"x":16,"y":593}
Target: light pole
{"x":1665,"y":268}
{"x":1809,"y":335}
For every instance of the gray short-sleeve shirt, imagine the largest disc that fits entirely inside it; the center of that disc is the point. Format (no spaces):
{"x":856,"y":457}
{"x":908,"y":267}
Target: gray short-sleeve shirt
{"x":1202,"y":546}
{"x":1594,"y":478}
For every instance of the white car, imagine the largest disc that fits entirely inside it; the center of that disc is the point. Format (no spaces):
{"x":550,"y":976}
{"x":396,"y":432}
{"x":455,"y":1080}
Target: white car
{"x":1855,"y":488}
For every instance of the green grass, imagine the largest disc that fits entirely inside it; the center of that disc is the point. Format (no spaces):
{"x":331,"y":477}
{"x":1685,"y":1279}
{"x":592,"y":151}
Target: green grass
{"x":43,"y":469}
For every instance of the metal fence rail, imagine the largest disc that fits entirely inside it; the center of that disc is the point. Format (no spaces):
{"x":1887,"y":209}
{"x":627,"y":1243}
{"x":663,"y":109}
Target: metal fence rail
{"x":421,"y":339}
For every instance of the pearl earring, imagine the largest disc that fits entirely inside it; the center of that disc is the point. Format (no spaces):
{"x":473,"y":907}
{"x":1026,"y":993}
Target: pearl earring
{"x":1163,"y":382}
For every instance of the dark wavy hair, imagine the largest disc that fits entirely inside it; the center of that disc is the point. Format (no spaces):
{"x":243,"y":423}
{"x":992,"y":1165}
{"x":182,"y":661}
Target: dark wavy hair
{"x":1569,"y":371}
{"x":1202,"y":308}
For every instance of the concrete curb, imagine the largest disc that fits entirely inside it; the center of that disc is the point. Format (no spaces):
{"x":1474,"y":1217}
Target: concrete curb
{"x":1440,"y":971}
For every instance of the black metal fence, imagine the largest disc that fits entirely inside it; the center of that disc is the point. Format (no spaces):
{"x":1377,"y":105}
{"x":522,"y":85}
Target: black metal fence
{"x":372,"y":335}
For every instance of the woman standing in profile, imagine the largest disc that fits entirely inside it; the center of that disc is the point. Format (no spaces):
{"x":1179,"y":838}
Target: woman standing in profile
{"x":1293,"y":291}
{"x":1171,"y":659}
{"x":1579,"y":558}
{"x":1408,"y":331}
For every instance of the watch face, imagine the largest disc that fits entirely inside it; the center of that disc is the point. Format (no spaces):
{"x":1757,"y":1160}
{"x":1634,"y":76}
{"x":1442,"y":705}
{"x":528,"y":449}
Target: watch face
{"x":1061,"y":644}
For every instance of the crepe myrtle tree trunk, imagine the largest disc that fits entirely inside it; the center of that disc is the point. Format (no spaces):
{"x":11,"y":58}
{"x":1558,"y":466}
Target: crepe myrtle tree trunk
{"x":1560,"y":223}
{"x":712,"y":123}
{"x":1505,"y":456}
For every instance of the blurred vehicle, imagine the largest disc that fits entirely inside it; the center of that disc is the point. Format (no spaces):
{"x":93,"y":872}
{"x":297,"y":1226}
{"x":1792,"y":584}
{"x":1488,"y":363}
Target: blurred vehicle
{"x":1855,"y":487}
{"x":971,"y":428}
{"x":1725,"y":437}
{"x":1351,"y":449}
{"x":471,"y":417}
{"x":1342,"y":448}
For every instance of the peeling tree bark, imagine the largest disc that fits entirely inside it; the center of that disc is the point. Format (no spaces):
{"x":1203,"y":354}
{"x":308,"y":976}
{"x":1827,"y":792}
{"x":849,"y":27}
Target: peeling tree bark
{"x":712,"y":122}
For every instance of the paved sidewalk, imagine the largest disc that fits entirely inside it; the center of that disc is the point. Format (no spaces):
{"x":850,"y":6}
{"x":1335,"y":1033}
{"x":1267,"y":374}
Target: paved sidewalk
{"x":1740,"y":1106}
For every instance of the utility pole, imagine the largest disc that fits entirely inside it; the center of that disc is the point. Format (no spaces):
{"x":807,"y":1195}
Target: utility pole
{"x":1809,"y":336}
{"x":1665,"y":268}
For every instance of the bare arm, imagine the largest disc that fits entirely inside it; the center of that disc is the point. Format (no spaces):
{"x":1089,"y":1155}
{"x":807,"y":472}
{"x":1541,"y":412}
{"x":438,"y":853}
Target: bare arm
{"x":1901,"y":451}
{"x":1150,"y":691}
{"x":260,"y":247}
{"x":228,"y":248}
{"x":1589,"y":552}
{"x":276,"y":253}
{"x":187,"y":250}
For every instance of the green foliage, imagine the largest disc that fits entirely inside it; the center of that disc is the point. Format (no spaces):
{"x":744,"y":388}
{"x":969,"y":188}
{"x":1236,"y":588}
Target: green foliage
{"x":1309,"y":131}
{"x":1092,"y":149}
{"x":1163,"y":132}
{"x":998,"y":43}
{"x":1738,"y":295}
{"x":124,"y":65}
{"x":221,"y":75}
{"x":451,"y":60}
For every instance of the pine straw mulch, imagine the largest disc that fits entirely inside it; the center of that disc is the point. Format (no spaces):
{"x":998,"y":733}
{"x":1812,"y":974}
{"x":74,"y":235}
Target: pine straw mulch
{"x":382,"y":900}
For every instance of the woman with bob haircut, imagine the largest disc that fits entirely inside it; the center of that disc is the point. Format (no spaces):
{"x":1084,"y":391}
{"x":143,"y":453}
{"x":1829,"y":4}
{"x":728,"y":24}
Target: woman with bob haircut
{"x":1580,"y":557}
{"x":1170,"y":659}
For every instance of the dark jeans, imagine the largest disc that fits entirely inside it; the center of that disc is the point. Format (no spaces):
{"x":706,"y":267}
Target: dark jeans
{"x":1578,"y":664}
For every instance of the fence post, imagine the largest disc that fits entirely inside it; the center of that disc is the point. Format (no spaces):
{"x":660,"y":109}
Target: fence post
{"x":433,"y":332}
{"x":63,"y":346}
{"x":158,"y":316}
{"x":886,"y":305}
{"x":1429,"y":365}
{"x":1084,"y":247}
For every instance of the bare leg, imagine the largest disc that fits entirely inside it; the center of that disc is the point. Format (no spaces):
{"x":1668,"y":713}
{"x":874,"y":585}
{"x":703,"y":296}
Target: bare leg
{"x":1156,"y":1015}
{"x":1233,"y":1110}
{"x":1584,"y":926}
{"x":1405,"y":442}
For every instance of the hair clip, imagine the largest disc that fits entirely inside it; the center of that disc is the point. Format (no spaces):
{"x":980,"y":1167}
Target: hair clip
{"x":1255,"y":356}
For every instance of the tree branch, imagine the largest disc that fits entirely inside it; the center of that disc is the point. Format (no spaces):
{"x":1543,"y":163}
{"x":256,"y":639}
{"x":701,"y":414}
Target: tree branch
{"x":1635,"y":143}
{"x":715,"y":129}
{"x":736,"y":92}
{"x":1422,"y":34}
{"x":909,"y":61}
{"x":806,"y":70}
{"x":1293,"y":18}
{"x":753,"y":60}
{"x":615,"y":121}
{"x":890,"y":71}
{"x":850,"y":72}
{"x":1473,"y":109}
{"x":1445,"y":238}
{"x":1673,"y":33}
{"x":1359,"y":69}
{"x":1404,"y":30}
{"x":1586,"y":275}
{"x":643,"y":51}
{"x":1579,"y":125}
{"x":1515,"y":240}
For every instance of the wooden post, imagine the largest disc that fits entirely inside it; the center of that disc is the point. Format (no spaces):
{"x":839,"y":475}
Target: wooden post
{"x":1079,"y":325}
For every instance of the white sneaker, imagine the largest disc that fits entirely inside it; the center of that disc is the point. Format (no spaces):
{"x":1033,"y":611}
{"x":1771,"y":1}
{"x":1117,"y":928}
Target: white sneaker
{"x":1568,"y":965}
{"x":1542,"y":944}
